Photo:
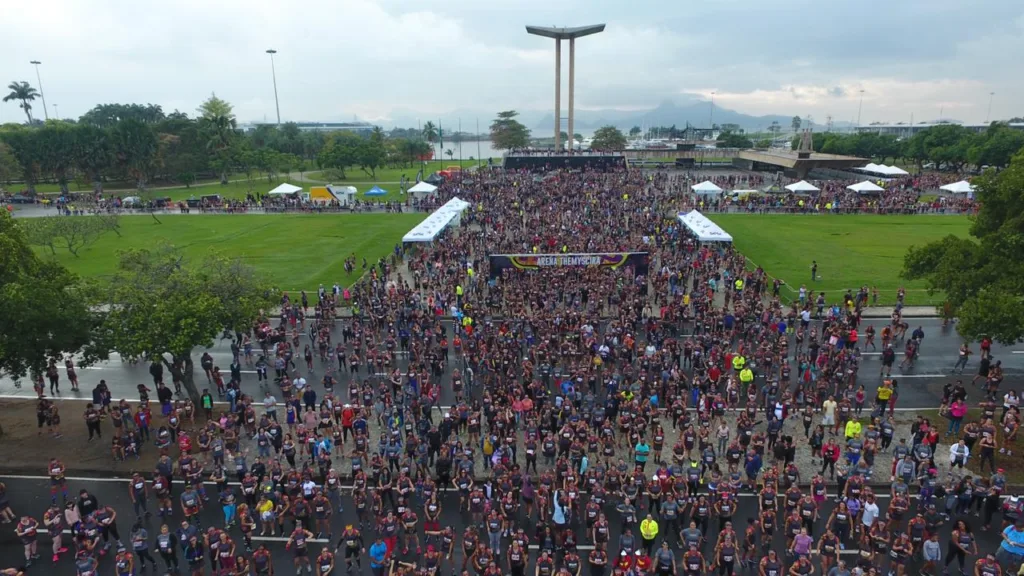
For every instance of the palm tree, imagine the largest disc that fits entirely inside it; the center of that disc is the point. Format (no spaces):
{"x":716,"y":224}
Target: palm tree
{"x":430,"y":133}
{"x":221,"y":132}
{"x":24,"y":92}
{"x":450,"y":153}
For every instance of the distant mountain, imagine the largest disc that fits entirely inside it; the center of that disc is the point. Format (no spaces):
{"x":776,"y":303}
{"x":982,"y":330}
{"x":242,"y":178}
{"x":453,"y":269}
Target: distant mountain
{"x":697,"y":114}
{"x":540,"y":122}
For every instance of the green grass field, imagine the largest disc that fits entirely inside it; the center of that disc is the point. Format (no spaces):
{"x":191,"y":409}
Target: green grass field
{"x":851,"y":251}
{"x":296,"y":252}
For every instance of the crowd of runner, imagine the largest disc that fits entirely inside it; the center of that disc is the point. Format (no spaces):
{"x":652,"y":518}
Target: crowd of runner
{"x":566,"y":383}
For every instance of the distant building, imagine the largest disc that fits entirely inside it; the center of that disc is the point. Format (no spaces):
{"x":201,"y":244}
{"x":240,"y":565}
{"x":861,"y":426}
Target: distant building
{"x":902,"y":130}
{"x":357,"y":127}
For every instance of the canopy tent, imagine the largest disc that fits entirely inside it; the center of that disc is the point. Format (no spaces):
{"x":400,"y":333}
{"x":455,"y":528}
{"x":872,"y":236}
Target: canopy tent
{"x":423,"y":187}
{"x":376,"y":191}
{"x":961,"y":187}
{"x":285,"y":189}
{"x":865,"y":187}
{"x":422,"y":190}
{"x":448,"y":214}
{"x":802,"y":186}
{"x":704,"y":229}
{"x":884,"y":170}
{"x":706,"y":187}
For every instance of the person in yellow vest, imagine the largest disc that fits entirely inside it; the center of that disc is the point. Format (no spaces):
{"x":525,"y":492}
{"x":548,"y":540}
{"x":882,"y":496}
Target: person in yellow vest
{"x":564,"y":248}
{"x":458,"y":295}
{"x":649,"y":532}
{"x":739,"y":285}
{"x":746,"y":378}
{"x":852,"y":429}
{"x":883,"y":395}
{"x":738,"y":362}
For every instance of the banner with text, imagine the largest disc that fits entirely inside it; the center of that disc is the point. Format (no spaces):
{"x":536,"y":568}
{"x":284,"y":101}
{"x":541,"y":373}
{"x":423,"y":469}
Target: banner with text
{"x":611,"y":260}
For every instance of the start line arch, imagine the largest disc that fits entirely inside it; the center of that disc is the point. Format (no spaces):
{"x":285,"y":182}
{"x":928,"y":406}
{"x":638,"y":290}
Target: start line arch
{"x":640,"y":261}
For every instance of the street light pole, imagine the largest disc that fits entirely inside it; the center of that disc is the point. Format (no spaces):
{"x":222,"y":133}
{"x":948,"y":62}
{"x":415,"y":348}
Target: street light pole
{"x":860,"y":107}
{"x":711,"y":113}
{"x":42,"y":95}
{"x":56,"y":112}
{"x":273,"y":73}
{"x":989,"y":113}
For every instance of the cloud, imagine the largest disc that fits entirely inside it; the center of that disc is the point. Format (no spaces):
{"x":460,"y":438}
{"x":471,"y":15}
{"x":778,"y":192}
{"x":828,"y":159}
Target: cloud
{"x":340,"y":58}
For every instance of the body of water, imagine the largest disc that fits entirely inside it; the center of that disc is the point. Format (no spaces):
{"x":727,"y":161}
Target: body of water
{"x":485,"y":150}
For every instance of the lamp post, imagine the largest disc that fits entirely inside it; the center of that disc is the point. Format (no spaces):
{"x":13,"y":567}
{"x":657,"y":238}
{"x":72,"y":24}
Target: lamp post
{"x":56,"y":112}
{"x":989,"y":113}
{"x":711,"y":113}
{"x":860,"y":107}
{"x":273,"y":73}
{"x":42,"y":95}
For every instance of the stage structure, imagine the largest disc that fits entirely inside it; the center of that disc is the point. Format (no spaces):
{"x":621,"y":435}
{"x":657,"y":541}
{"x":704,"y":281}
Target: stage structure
{"x":639,"y":261}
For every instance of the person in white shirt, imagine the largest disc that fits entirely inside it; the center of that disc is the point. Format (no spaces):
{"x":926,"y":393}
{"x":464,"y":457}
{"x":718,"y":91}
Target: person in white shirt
{"x":958,"y":454}
{"x":829,"y":409}
{"x":1010,"y":401}
{"x":869,"y":514}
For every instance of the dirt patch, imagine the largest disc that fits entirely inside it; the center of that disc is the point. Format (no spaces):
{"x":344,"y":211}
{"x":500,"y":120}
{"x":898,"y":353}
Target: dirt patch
{"x":27,"y":448}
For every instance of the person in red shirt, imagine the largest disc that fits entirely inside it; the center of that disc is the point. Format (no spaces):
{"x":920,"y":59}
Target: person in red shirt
{"x":625,"y":561}
{"x":643,"y":562}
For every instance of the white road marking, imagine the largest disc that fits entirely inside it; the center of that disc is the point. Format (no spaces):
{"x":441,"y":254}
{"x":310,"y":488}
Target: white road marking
{"x":921,"y":376}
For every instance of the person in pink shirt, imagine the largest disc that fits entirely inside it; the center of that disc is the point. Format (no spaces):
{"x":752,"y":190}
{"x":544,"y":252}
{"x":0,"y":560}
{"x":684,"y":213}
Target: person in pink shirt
{"x":957,"y":411}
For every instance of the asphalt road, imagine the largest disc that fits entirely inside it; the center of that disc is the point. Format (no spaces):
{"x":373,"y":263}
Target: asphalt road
{"x":920,"y":386}
{"x":31,"y":495}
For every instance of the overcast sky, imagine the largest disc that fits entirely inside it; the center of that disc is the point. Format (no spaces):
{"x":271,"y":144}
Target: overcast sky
{"x":384,"y":58}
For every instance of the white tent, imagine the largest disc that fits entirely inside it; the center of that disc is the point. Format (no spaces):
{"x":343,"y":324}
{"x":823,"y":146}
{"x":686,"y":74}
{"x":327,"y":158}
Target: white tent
{"x":802,"y":186}
{"x":865,"y":187}
{"x":285,"y":189}
{"x":447,"y":215}
{"x":704,"y":229}
{"x":884,"y":170}
{"x":706,"y":187}
{"x":422,"y":190}
{"x":961,"y":187}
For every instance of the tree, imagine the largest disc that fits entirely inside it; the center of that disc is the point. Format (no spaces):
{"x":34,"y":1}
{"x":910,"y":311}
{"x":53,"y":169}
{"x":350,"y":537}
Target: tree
{"x":450,"y":153}
{"x":92,"y":153}
{"x":162,"y":307}
{"x":9,"y":166}
{"x":634,"y":131}
{"x":24,"y":92}
{"x":507,"y":132}
{"x":24,"y":145}
{"x":763,"y":143}
{"x":608,"y":138}
{"x":371,"y":153}
{"x":796,"y":122}
{"x":734,"y":140}
{"x":135,"y":150}
{"x":214,"y":107}
{"x":44,"y":308}
{"x":430,"y":132}
{"x":996,"y":146}
{"x":775,"y":128}
{"x":980,"y":276}
{"x":107,"y":115}
{"x":340,"y":152}
{"x":221,"y":136}
{"x":72,"y":233}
